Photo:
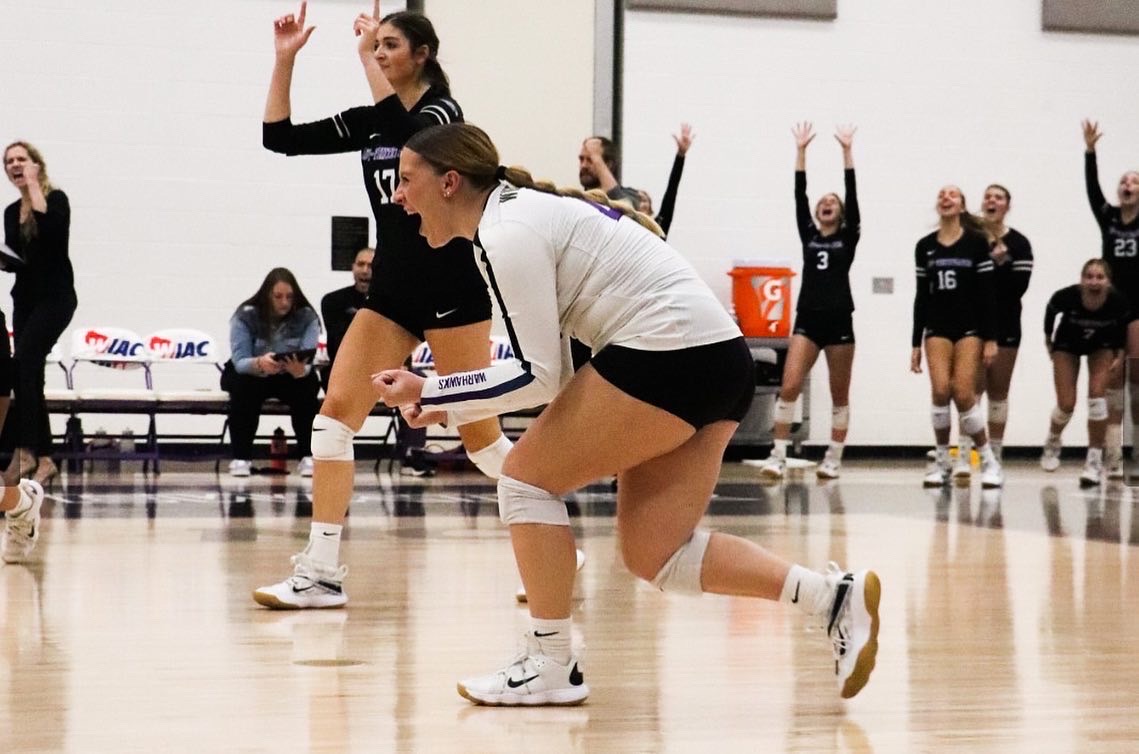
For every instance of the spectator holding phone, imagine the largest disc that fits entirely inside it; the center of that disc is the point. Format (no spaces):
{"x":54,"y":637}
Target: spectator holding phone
{"x":272,"y":339}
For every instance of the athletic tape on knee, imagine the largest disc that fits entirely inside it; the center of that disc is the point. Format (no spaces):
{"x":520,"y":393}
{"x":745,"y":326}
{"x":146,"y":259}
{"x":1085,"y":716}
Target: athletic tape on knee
{"x":681,"y":574}
{"x":331,"y":440}
{"x":840,"y":417}
{"x":939,"y":417}
{"x":1115,"y":398}
{"x":521,"y":503}
{"x":1097,"y":409}
{"x":489,"y":460}
{"x":1060,"y":418}
{"x":998,"y":412}
{"x":784,"y":411}
{"x":973,"y":420}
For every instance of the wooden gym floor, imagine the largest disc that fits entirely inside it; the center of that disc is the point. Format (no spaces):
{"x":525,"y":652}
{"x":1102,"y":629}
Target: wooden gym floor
{"x":1008,"y":622}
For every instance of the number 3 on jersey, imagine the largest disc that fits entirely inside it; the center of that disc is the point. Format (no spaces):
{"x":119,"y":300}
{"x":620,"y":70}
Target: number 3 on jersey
{"x":946,"y":280}
{"x":824,"y":260}
{"x":385,"y":183}
{"x":1126,"y":247}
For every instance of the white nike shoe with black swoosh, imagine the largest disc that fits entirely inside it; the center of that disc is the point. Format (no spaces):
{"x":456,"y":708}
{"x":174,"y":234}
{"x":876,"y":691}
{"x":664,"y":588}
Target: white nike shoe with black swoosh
{"x":530,"y":680}
{"x":312,"y":586}
{"x":852,"y":625}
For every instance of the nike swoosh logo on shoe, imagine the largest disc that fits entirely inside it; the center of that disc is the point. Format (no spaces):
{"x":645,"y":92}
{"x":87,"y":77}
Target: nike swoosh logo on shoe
{"x":515,"y":684}
{"x":795,"y":599}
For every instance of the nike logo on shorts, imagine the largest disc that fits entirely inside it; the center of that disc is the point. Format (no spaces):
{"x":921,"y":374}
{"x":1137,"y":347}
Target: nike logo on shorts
{"x":441,"y":315}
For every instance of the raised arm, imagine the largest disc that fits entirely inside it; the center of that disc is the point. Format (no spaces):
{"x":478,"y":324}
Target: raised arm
{"x":1098,"y":201}
{"x":289,"y":36}
{"x":852,"y":219}
{"x":366,"y":27}
{"x":804,"y":135}
{"x":668,"y":202}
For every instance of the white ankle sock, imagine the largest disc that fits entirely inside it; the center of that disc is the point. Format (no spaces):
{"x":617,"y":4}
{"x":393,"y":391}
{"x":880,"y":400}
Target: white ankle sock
{"x":779,"y":448}
{"x":806,"y":590}
{"x":553,"y":637}
{"x":324,"y":543}
{"x":23,"y":503}
{"x":835,"y":451}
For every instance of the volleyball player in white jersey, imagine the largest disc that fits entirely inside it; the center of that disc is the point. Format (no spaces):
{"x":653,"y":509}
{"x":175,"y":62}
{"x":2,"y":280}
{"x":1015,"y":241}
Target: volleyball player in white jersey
{"x":670,"y":378}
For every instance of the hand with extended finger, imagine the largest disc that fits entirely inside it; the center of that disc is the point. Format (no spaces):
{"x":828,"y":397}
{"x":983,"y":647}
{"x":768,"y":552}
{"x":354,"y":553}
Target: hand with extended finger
{"x":684,"y":139}
{"x":365,"y":27}
{"x":290,"y":34}
{"x":398,"y":387}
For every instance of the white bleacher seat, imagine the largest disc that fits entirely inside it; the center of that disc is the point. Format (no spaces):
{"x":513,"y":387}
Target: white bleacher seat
{"x":114,"y":348}
{"x":189,"y":358}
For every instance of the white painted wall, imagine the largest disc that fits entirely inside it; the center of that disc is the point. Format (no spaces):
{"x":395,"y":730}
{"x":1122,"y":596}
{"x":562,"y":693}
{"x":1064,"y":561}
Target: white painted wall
{"x":967,"y":93}
{"x":149,"y":115}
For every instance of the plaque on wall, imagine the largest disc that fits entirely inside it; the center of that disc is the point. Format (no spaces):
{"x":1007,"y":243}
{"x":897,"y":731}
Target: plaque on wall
{"x":821,"y":9}
{"x":1104,"y":16}
{"x":349,"y":235}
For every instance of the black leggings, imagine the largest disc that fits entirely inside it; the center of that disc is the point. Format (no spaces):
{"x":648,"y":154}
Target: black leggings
{"x":247,"y":393}
{"x":37,"y":326}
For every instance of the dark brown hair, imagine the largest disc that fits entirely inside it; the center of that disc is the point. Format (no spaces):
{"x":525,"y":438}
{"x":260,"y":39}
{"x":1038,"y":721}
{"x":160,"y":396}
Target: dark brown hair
{"x":262,"y":300}
{"x":420,"y":32}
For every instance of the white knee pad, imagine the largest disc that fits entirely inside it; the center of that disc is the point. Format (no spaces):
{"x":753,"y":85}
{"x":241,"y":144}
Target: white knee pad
{"x":1115,"y":398}
{"x":784,"y":411}
{"x":939,"y":417}
{"x":840,"y":417}
{"x":681,"y":574}
{"x":521,"y":503}
{"x":489,"y":460}
{"x":1097,"y":409}
{"x":1060,"y":418}
{"x":973,"y":420}
{"x":998,"y":412}
{"x":331,"y":440}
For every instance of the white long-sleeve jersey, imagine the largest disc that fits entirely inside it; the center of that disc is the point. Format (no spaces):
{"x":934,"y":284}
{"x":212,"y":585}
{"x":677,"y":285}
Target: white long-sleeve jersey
{"x":558,"y":266}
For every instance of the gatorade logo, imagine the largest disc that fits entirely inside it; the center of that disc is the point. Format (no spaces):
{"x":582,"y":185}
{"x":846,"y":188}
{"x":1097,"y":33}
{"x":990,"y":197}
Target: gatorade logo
{"x":771,"y":302}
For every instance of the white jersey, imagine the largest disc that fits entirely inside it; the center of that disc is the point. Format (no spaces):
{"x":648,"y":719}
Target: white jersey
{"x":558,"y":266}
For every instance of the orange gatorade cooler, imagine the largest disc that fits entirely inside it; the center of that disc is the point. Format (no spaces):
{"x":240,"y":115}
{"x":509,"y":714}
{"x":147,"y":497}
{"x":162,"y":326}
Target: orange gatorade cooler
{"x":761,"y":295}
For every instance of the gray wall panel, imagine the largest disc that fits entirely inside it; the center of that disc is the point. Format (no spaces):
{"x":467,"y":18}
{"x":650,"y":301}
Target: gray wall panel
{"x":1106,"y":16}
{"x":825,"y":9}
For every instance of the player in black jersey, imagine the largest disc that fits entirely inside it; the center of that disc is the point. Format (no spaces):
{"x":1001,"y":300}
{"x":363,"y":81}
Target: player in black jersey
{"x":954,"y":314}
{"x":1119,"y":230}
{"x":1089,"y":319}
{"x":416,"y":292}
{"x":1012,"y":269}
{"x":824,"y":314}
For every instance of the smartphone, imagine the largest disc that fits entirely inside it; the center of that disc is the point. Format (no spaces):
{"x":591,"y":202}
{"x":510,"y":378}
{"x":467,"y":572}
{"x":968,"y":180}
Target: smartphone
{"x":306,"y":355}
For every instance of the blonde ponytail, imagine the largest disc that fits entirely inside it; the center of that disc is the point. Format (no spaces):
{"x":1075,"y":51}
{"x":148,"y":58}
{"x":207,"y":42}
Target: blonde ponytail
{"x":520,"y":177}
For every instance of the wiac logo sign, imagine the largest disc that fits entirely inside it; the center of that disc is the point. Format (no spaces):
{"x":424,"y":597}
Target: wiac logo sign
{"x":181,"y":344}
{"x":123,"y":349}
{"x":500,"y":350}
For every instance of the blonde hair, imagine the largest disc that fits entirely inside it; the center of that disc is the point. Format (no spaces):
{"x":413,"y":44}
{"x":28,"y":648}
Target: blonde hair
{"x":28,"y":228}
{"x":468,"y":151}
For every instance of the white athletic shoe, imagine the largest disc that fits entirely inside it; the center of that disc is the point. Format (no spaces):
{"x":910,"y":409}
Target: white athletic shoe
{"x":852,"y":625}
{"x":304,"y":468}
{"x":520,"y":595}
{"x":937,"y":475}
{"x":774,"y":468}
{"x":312,"y":585}
{"x":1092,"y":474}
{"x":22,"y":530}
{"x":962,"y":469}
{"x":1115,"y":469}
{"x":1050,"y":457}
{"x":531,"y":679}
{"x":992,"y":475}
{"x":237,"y":467}
{"x":828,"y":467}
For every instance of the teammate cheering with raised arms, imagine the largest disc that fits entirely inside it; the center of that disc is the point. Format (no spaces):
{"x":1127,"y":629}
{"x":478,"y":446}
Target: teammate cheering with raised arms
{"x":824,"y":314}
{"x":415,"y":293}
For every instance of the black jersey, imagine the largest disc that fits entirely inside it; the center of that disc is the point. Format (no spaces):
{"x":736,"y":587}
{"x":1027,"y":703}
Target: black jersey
{"x":827,"y":259}
{"x":378,"y":133}
{"x":954,"y":287}
{"x":1069,"y":325}
{"x":1120,"y":240}
{"x":1010,"y":277}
